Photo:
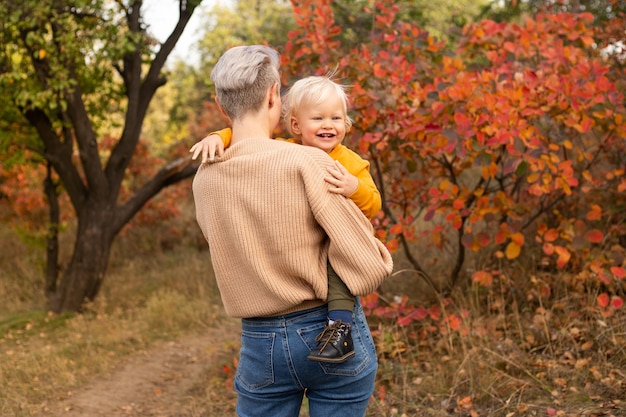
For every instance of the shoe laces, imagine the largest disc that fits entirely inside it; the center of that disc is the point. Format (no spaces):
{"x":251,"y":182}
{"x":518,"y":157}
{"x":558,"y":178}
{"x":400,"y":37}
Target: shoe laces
{"x":331,"y":333}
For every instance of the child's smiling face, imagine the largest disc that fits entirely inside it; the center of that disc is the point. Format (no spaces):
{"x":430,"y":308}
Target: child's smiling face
{"x":322,"y":125}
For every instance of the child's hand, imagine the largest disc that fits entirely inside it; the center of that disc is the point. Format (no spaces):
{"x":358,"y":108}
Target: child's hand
{"x":209,"y":147}
{"x":341,"y":181}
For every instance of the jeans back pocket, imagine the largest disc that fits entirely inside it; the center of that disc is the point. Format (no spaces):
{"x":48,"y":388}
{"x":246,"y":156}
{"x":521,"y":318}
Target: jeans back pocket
{"x":255,"y":369}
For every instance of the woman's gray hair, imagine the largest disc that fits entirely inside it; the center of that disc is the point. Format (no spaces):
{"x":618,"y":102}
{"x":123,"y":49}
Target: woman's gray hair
{"x":242,"y":77}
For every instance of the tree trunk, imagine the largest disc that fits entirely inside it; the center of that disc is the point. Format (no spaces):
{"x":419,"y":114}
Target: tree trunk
{"x":52,"y":239}
{"x":83,"y":276}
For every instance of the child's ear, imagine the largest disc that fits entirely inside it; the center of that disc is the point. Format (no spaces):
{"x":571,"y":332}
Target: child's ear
{"x":295,"y":126}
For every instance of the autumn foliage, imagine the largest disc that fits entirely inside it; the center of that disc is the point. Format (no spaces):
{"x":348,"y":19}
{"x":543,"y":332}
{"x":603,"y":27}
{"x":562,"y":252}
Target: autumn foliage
{"x":507,"y":150}
{"x":25,"y":203}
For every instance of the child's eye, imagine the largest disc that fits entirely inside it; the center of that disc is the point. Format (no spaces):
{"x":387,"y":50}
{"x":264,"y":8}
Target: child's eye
{"x":337,"y":118}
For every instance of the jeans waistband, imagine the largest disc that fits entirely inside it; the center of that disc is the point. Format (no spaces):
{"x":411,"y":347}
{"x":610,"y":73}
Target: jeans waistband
{"x":285,"y":319}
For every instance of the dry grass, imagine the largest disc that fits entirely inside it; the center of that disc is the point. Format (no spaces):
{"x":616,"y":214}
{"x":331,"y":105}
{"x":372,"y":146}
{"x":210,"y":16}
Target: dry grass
{"x":517,"y":353}
{"x":146,"y":299}
{"x":521,"y":351}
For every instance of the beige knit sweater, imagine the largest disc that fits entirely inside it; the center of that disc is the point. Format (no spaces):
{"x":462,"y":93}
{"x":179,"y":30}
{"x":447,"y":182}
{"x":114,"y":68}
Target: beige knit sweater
{"x":271,"y":224}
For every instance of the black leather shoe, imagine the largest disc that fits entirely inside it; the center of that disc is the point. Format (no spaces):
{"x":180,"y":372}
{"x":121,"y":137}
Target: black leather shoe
{"x":334,"y":344}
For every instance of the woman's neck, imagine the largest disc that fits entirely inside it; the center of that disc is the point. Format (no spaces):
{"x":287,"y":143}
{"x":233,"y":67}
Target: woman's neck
{"x":250,"y":127}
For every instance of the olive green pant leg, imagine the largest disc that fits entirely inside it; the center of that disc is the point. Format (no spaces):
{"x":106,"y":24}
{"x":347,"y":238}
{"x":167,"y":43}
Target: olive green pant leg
{"x":339,"y":296}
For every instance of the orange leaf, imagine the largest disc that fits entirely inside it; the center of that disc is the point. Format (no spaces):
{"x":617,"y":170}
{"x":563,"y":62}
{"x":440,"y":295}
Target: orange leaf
{"x":392,"y":245}
{"x":603,"y":300}
{"x":532,"y":178}
{"x":454,"y":321}
{"x":379,"y":71}
{"x":564,"y":256}
{"x":512,"y":250}
{"x":396,"y":229}
{"x":551,"y":235}
{"x":595,"y":213}
{"x":518,"y":238}
{"x":483,"y":278}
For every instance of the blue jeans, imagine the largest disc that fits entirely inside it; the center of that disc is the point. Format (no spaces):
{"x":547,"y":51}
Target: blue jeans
{"x":274,"y":374}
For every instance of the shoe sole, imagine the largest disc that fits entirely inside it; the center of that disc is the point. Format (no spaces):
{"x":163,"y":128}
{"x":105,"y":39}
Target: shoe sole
{"x":331,"y":360}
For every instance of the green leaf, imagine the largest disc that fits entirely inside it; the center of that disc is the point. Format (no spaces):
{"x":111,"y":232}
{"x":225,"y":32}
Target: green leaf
{"x":521,"y":169}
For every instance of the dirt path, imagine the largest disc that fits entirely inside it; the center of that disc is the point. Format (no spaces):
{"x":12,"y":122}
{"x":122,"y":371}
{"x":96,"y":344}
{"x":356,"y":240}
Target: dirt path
{"x":152,"y":384}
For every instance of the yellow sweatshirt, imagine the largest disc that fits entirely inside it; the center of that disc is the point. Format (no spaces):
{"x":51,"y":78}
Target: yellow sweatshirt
{"x":366,"y":197}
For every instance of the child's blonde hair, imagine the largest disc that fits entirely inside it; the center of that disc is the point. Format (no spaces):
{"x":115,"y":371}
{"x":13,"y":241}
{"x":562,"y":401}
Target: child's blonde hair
{"x":312,"y":91}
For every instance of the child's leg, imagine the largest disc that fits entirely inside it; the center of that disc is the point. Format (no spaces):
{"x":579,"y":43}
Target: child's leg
{"x":335,"y":341}
{"x":340,"y":300}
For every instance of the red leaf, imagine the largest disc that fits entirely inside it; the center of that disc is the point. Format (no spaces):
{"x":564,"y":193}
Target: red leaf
{"x":548,"y":248}
{"x":594,"y":236}
{"x":463,"y":123}
{"x":618,"y":271}
{"x":500,"y":237}
{"x":617,"y":302}
{"x":483,"y":239}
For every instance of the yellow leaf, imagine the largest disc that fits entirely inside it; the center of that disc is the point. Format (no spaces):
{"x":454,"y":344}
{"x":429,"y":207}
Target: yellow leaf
{"x":512,"y":250}
{"x":16,"y":58}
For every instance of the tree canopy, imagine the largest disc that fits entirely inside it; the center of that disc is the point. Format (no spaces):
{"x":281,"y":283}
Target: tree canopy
{"x":74,"y":71}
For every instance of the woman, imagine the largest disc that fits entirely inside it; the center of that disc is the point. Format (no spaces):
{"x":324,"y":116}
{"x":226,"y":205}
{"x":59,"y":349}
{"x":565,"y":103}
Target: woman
{"x":271,"y":225}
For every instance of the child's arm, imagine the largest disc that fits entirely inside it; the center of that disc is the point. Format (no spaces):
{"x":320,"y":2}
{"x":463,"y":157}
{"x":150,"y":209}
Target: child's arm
{"x":351,"y":178}
{"x":214,"y":143}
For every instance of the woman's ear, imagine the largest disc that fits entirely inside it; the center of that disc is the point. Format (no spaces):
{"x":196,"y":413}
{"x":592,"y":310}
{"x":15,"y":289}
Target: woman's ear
{"x":274,"y":91}
{"x":219,"y":106}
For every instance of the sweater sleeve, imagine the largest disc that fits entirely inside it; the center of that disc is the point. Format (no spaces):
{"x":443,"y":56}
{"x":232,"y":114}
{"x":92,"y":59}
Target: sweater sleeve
{"x":226,"y":135}
{"x":359,"y":258}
